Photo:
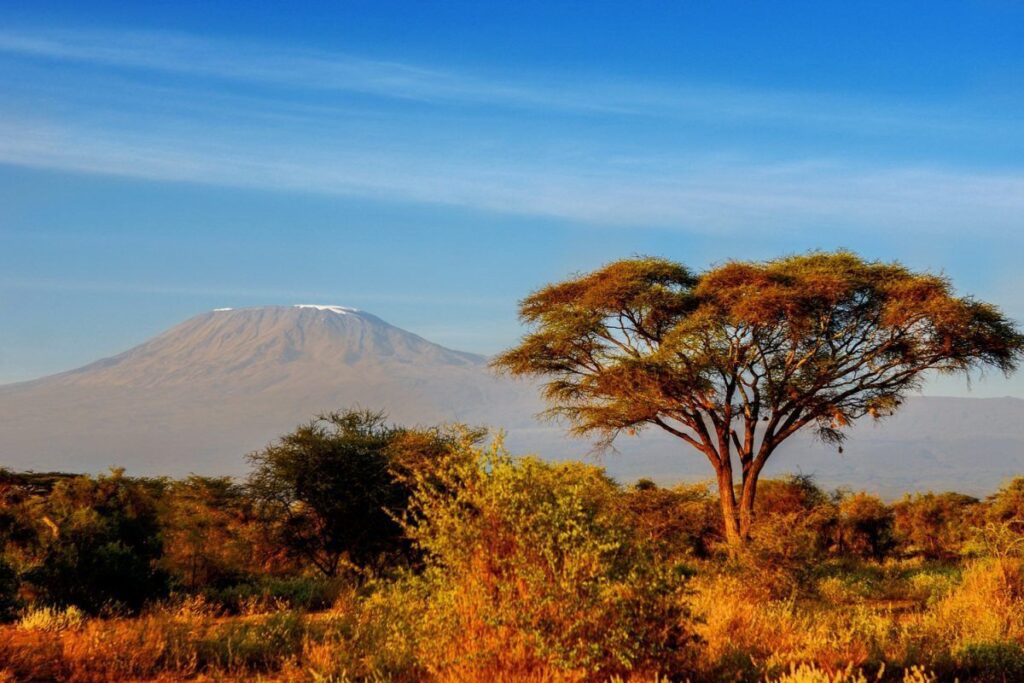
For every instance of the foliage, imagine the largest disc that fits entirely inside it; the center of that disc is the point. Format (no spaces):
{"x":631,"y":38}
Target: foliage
{"x":795,"y":493}
{"x":211,"y":534}
{"x":555,"y":573}
{"x":996,"y":661}
{"x":307,"y":593}
{"x":533,"y":567}
{"x":986,"y":606}
{"x":512,"y":569}
{"x":797,"y":522}
{"x":97,"y":544}
{"x":1007,"y":504}
{"x":679,"y":523}
{"x":934,"y":525}
{"x":9,"y":583}
{"x":327,"y":492}
{"x":865,"y":527}
{"x":737,"y":359}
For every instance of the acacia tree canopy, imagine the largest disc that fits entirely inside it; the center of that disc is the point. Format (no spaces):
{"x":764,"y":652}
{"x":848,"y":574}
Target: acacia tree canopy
{"x":736,"y":359}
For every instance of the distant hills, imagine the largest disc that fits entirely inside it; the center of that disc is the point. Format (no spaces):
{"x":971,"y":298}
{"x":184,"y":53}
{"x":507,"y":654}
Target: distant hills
{"x":202,"y":394}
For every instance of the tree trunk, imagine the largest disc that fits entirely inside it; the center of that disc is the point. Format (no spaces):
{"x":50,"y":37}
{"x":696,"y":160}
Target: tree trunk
{"x":727,"y":496}
{"x":747,"y":507}
{"x":749,"y":493}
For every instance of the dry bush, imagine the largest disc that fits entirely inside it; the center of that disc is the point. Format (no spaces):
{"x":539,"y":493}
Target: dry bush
{"x":928,"y":587}
{"x":986,"y":607}
{"x":744,"y":631}
{"x":533,"y":571}
{"x":972,"y":628}
{"x":934,"y":525}
{"x":1007,"y":504}
{"x":154,"y":645}
{"x":539,"y":572}
{"x":902,"y":581}
{"x":783,"y":553}
{"x":808,"y":673}
{"x":52,"y":619}
{"x":211,"y":536}
{"x":680,"y":523}
{"x":795,"y":520}
{"x":402,"y":630}
{"x":368,"y":637}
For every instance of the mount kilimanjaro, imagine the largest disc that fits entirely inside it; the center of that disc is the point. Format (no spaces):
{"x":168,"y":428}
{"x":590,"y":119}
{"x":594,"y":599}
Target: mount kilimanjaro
{"x":201,"y":395}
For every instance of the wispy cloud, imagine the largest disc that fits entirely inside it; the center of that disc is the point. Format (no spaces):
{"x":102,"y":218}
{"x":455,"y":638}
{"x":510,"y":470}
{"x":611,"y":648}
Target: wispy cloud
{"x":335,"y":71}
{"x":234,"y":293}
{"x":704,"y":195}
{"x":283,"y":67}
{"x":267,"y":138}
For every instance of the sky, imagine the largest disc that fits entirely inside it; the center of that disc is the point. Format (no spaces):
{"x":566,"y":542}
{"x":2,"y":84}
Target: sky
{"x":435,"y":162}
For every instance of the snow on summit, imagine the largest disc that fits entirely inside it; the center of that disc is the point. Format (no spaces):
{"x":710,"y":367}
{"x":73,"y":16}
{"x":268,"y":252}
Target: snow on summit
{"x":341,"y":310}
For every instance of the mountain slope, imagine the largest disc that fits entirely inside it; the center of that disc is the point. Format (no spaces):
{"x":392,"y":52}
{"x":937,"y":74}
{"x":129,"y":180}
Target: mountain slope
{"x":253,"y":346}
{"x":199,"y":396}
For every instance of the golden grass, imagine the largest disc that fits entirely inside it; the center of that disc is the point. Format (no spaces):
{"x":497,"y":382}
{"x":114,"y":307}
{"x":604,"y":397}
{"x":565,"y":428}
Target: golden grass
{"x":973,"y":629}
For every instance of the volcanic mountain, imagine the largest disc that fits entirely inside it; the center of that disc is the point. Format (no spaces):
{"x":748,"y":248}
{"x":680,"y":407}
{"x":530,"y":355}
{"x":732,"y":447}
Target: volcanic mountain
{"x":201,"y":395}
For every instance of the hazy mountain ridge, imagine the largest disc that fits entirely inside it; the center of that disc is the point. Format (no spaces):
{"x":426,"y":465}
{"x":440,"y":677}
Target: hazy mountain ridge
{"x":237,"y":345}
{"x":205,"y":392}
{"x":200,"y":395}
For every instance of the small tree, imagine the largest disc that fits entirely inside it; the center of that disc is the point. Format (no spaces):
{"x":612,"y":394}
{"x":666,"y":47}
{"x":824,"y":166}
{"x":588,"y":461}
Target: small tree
{"x":936,"y":525}
{"x":735,"y":360}
{"x":865,"y":526}
{"x":210,"y":534}
{"x":327,"y":492}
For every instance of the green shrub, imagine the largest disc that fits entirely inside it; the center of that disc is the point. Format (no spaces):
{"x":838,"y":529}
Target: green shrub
{"x":9,"y":583}
{"x":304,"y":593}
{"x":262,"y":644}
{"x":930,"y":584}
{"x":865,"y":527}
{"x":328,"y":493}
{"x":100,"y":545}
{"x":995,"y":661}
{"x":372,"y":637}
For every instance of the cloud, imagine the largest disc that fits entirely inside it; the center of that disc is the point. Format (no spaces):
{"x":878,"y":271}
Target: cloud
{"x":293,"y":69}
{"x":616,"y":174}
{"x":704,"y":195}
{"x":282,"y":67}
{"x":237,"y":293}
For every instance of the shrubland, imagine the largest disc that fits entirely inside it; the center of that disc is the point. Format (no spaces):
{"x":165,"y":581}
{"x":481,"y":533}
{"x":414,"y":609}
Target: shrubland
{"x":364,"y":551}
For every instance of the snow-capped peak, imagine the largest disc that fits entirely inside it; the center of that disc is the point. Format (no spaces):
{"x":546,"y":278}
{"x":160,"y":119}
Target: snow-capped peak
{"x":222,"y":309}
{"x":341,"y":310}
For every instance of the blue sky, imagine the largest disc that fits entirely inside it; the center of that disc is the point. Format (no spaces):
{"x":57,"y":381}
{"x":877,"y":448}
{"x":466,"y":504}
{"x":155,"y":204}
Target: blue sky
{"x":434,"y":162}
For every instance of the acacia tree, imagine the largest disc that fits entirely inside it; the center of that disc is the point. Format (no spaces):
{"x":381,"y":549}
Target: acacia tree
{"x":737,"y":359}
